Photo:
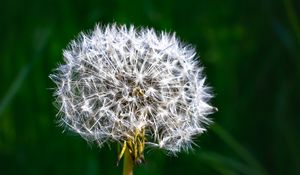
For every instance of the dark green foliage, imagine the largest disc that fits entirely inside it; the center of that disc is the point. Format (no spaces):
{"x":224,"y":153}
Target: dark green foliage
{"x":251,"y":53}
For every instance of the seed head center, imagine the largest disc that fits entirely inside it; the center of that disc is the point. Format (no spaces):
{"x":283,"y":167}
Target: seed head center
{"x":137,"y":91}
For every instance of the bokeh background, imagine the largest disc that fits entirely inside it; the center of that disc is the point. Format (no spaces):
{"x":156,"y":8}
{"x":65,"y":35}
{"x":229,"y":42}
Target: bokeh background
{"x":250,"y":50}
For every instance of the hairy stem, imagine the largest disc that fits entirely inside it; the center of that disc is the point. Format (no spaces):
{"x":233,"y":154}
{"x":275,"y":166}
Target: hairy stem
{"x":128,"y":164}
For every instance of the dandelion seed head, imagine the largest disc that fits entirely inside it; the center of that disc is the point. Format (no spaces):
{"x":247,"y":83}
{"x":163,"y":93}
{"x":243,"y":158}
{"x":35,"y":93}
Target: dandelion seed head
{"x":117,"y":80}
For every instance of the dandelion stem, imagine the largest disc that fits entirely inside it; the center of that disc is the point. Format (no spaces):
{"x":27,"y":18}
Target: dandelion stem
{"x":128,"y":164}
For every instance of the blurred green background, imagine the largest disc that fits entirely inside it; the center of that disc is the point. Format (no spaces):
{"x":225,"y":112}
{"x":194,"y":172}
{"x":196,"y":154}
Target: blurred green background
{"x":251,"y":53}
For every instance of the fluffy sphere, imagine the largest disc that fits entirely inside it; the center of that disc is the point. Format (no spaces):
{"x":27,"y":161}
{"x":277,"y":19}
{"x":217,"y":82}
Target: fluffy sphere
{"x":118,"y":80}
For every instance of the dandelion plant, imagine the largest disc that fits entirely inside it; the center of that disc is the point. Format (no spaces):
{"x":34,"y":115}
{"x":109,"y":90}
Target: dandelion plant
{"x":134,"y":87}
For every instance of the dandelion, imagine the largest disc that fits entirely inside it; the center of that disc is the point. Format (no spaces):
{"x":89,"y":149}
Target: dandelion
{"x":134,"y":87}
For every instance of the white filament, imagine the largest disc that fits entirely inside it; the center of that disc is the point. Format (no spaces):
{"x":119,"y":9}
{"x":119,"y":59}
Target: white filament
{"x":116,"y":80}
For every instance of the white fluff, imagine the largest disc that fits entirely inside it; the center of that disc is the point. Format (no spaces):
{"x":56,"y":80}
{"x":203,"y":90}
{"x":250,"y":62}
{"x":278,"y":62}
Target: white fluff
{"x":116,"y":80}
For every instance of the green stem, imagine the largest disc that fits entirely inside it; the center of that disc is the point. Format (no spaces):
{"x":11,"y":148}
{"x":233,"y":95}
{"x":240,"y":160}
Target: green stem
{"x":128,"y":164}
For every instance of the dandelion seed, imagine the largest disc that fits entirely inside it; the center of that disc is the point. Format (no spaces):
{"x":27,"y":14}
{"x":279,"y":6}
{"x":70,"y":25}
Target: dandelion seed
{"x":133,"y":87}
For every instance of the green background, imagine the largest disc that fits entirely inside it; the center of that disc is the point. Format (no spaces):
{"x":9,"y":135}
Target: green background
{"x":250,"y":50}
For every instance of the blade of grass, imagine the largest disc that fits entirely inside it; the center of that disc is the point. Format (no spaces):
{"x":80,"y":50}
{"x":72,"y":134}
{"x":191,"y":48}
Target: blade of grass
{"x":292,"y":17}
{"x":222,"y":163}
{"x":24,"y":72}
{"x":238,"y":148}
